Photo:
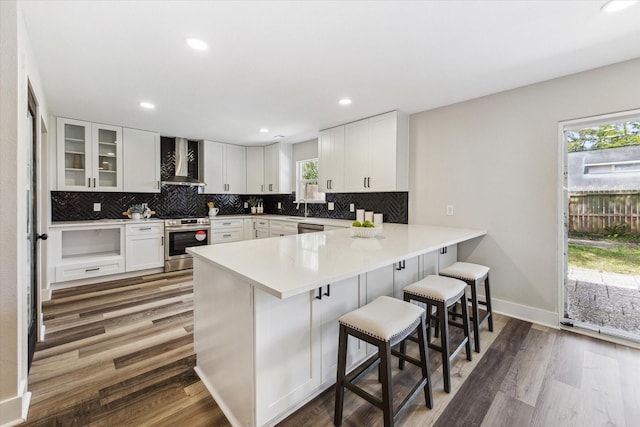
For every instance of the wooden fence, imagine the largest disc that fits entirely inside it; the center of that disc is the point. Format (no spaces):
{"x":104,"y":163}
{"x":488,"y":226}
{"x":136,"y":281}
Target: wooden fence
{"x":592,"y":212}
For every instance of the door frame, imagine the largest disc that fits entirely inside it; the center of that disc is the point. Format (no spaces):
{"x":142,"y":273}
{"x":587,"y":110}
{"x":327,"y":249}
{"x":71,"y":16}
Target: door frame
{"x":563,"y":219}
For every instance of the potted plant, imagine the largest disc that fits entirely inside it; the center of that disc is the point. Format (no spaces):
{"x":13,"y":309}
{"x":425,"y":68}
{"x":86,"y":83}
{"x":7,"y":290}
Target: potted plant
{"x":253,"y":203}
{"x":135,"y":211}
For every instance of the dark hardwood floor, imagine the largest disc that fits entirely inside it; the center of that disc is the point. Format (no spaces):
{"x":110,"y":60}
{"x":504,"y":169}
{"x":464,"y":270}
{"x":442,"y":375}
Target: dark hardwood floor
{"x":121,"y":353}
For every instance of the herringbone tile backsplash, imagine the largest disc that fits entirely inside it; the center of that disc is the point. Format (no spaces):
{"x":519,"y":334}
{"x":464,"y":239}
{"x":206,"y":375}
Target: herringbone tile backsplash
{"x":176,"y":202}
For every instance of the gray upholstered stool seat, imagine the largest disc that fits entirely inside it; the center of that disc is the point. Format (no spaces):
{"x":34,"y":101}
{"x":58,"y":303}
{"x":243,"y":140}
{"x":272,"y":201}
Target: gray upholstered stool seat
{"x":442,"y":293}
{"x":474,"y":275}
{"x":383,"y":322}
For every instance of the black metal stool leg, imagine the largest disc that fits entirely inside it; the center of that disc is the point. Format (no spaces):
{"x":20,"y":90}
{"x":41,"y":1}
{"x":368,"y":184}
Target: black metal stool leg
{"x":387,"y":394}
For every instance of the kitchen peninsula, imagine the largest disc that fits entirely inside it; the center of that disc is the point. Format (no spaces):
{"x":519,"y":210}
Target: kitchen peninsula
{"x":265,"y":311}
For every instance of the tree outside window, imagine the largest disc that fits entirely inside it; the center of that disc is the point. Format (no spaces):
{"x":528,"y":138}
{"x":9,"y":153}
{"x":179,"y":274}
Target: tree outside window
{"x":307,"y":181}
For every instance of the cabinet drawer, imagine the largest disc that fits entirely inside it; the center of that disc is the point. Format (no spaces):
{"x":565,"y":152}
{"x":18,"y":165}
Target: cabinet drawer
{"x":227,"y":223}
{"x":223,"y":236}
{"x":262,"y":223}
{"x":136,"y":229}
{"x":89,"y":269}
{"x":289,"y":227}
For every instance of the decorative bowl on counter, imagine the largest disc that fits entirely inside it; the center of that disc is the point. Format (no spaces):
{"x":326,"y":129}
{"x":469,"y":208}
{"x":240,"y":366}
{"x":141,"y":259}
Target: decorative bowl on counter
{"x":365,"y":231}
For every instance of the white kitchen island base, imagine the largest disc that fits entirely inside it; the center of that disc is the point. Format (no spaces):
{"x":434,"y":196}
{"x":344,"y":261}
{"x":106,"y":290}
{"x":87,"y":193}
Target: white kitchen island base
{"x":265,"y":311}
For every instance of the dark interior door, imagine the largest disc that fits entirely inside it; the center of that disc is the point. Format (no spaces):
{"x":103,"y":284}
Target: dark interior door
{"x":32,"y":237}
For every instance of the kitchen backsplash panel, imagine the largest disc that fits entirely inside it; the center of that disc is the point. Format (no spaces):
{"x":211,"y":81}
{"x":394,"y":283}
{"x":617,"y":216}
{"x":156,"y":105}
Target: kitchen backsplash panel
{"x":176,"y":201}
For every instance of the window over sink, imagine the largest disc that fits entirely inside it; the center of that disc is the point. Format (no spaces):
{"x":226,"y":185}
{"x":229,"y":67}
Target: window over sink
{"x":307,"y":181}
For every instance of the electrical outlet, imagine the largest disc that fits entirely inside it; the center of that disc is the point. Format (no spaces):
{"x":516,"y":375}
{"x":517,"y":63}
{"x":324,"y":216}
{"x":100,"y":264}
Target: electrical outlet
{"x":97,"y":207}
{"x":331,"y":206}
{"x":246,"y":205}
{"x":352,"y":207}
{"x":450,"y":210}
{"x":279,"y":205}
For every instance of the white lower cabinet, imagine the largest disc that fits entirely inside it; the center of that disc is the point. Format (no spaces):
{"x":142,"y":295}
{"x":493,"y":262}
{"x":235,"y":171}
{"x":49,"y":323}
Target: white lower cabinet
{"x":405,"y":273}
{"x":337,"y":299}
{"x":287,"y":349}
{"x":262,"y":228}
{"x":282,"y":228}
{"x":145,"y":246}
{"x":227,"y":230}
{"x":249,"y":229}
{"x":85,"y":252}
{"x":447,"y":256}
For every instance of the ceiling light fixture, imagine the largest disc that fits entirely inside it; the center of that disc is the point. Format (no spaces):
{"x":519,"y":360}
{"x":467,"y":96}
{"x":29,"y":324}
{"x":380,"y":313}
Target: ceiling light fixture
{"x":345,"y":101}
{"x":617,"y":5}
{"x":264,"y":130}
{"x":197,"y":44}
{"x":147,"y":105}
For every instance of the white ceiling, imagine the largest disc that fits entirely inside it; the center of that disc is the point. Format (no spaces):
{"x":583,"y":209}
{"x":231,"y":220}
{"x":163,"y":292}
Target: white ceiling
{"x":283,"y":65}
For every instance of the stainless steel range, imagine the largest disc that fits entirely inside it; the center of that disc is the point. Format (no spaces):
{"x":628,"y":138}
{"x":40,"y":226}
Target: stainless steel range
{"x":180,"y":234}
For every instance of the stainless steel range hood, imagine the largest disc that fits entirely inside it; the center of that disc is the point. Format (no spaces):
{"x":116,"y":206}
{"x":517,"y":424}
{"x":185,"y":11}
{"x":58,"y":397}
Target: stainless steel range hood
{"x":181,"y":176}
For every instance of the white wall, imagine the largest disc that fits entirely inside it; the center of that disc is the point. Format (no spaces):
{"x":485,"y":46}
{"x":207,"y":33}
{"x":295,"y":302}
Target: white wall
{"x":496,"y":160}
{"x":304,"y":151}
{"x":17,"y":69}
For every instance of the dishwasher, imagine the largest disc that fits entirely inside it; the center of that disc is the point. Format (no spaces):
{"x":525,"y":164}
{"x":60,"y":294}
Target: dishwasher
{"x":309,"y":228}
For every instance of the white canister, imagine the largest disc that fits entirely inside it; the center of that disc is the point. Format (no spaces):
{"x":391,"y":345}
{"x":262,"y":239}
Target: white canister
{"x":368,"y":216}
{"x":377,"y":219}
{"x":360,"y":215}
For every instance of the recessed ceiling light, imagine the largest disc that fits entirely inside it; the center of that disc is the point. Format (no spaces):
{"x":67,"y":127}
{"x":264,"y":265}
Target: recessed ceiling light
{"x":197,"y":44}
{"x":616,"y":5}
{"x":264,"y":130}
{"x":147,"y":105}
{"x":344,"y":101}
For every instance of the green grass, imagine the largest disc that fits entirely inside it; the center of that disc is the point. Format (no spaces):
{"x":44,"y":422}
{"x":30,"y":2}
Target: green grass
{"x":622,"y":259}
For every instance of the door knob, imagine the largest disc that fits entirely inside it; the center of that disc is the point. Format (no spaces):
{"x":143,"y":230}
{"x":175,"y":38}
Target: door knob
{"x":44,"y":236}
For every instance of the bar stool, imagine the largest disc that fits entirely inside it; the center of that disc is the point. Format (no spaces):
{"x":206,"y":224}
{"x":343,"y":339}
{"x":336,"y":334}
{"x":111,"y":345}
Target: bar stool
{"x":474,"y":275}
{"x":443,"y":293}
{"x":383,"y":322}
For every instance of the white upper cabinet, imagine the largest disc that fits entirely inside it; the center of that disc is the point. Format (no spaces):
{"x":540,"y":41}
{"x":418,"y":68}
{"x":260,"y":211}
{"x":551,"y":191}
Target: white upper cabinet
{"x":141,"y":161}
{"x":277,"y":168}
{"x":255,"y":170}
{"x":89,"y":156}
{"x":224,"y":167}
{"x":376,"y":154}
{"x":331,"y":160}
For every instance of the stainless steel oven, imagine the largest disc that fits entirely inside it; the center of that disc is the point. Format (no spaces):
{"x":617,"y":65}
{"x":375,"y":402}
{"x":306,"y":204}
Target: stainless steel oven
{"x":180,"y":234}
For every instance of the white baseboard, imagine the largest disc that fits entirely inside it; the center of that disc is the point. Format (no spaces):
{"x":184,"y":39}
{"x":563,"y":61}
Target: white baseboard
{"x":523,"y":312}
{"x":14,"y":411}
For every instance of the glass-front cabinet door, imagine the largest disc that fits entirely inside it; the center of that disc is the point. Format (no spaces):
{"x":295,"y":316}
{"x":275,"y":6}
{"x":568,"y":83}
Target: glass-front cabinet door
{"x":89,"y":156}
{"x":107,"y":148}
{"x":74,"y":160}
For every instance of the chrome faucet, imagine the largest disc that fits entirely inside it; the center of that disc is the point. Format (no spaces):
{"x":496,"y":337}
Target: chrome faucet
{"x":305,"y":206}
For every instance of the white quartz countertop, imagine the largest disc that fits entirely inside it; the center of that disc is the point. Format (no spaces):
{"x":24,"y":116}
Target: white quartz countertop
{"x":103,"y":222}
{"x":290,"y":265}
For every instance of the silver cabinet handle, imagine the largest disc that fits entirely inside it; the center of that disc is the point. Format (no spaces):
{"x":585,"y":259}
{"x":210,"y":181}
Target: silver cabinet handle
{"x":226,"y":223}
{"x":89,"y":182}
{"x":226,"y":235}
{"x":162,"y":241}
{"x":365,"y":182}
{"x":94,"y":182}
{"x":92,"y":269}
{"x":369,"y":182}
{"x":145,"y":228}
